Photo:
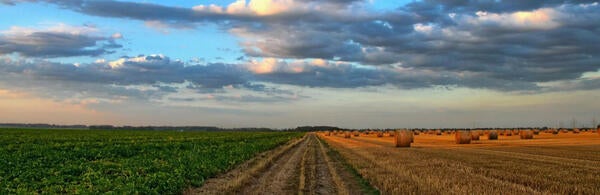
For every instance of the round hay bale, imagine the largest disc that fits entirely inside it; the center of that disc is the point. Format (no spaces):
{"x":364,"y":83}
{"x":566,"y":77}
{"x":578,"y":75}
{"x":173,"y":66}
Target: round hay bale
{"x":462,"y":137}
{"x":475,"y":135}
{"x":403,"y":138}
{"x":438,"y":132}
{"x":347,"y":134}
{"x":508,"y":133}
{"x":379,"y":134}
{"x":493,"y":135}
{"x":526,"y":134}
{"x":536,"y":132}
{"x":356,"y":133}
{"x":576,"y":131}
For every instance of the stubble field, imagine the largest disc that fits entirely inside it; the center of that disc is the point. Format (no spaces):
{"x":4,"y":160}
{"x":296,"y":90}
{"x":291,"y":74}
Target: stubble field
{"x":565,"y":163}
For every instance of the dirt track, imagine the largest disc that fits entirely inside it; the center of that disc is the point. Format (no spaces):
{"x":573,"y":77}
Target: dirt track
{"x":302,"y":167}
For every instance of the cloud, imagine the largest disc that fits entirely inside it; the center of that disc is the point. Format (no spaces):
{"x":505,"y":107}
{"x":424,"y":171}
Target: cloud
{"x":509,"y":45}
{"x":57,"y":41}
{"x":143,"y":77}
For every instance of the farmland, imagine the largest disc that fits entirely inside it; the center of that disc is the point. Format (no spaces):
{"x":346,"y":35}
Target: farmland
{"x":307,"y":166}
{"x":350,"y":162}
{"x":122,"y":162}
{"x":564,"y":163}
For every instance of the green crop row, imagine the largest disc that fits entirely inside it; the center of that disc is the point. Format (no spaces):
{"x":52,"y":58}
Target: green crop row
{"x":122,"y":162}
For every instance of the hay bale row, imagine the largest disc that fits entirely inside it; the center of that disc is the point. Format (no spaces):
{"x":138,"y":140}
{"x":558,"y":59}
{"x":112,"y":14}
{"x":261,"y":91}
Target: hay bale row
{"x":462,"y":137}
{"x":403,"y":138}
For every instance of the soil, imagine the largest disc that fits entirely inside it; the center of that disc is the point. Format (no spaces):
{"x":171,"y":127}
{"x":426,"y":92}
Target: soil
{"x":303,"y":166}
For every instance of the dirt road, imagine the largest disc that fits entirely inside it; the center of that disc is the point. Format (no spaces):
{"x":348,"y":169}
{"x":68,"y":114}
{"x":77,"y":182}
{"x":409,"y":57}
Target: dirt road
{"x":306,"y":166}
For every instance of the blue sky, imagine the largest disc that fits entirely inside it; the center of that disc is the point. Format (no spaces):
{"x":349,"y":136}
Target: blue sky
{"x":285,"y":63}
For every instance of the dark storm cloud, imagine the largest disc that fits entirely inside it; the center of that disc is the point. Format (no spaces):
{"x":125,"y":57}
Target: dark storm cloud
{"x":509,"y":45}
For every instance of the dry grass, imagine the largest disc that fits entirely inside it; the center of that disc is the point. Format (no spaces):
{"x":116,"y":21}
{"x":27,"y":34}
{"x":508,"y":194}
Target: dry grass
{"x":549,"y":164}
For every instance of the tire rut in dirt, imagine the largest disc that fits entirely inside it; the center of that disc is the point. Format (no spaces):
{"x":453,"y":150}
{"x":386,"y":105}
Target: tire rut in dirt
{"x":281,"y":178}
{"x":306,"y":167}
{"x":318,"y":179}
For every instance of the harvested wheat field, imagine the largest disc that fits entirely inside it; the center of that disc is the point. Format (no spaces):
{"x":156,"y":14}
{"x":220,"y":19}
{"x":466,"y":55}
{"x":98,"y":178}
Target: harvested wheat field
{"x":564,"y":163}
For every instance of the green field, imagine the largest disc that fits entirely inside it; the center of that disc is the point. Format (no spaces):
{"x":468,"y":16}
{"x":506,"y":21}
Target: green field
{"x":123,"y":162}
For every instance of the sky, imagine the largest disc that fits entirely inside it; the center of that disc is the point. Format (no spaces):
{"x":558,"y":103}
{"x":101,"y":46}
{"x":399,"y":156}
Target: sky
{"x":288,"y":63}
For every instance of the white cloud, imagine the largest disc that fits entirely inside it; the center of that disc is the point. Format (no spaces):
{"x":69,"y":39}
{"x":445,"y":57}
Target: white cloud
{"x":275,"y":65}
{"x":540,"y":19}
{"x":117,"y":36}
{"x":423,"y":28}
{"x":252,"y":7}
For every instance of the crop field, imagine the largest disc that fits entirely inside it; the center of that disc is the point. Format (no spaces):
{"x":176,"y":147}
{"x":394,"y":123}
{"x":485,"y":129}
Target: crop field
{"x":122,"y":162}
{"x":563,"y":163}
{"x":170,"y":162}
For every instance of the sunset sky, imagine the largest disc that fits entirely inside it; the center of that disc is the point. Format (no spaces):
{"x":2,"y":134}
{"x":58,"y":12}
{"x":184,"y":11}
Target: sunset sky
{"x":287,"y":63}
